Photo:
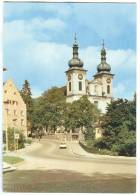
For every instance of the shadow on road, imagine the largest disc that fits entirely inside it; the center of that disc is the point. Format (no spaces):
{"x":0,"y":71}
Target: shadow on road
{"x":67,"y":181}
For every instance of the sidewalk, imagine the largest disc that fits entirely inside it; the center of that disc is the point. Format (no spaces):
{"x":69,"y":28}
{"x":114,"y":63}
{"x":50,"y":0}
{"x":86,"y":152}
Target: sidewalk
{"x":23,"y":151}
{"x":79,"y":151}
{"x":19,"y":153}
{"x":7,"y":167}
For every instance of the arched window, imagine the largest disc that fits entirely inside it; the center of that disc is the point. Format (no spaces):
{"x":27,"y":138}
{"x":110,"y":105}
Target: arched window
{"x":108,"y":89}
{"x":69,"y":86}
{"x":80,"y":86}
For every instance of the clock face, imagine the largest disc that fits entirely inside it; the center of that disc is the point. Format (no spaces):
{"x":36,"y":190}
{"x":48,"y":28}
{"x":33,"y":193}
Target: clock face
{"x":108,"y":80}
{"x":80,"y":76}
{"x":69,"y":77}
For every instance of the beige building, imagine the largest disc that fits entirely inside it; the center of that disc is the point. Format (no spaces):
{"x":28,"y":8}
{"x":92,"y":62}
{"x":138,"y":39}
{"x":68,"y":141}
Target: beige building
{"x":99,"y":90}
{"x":14,"y":108}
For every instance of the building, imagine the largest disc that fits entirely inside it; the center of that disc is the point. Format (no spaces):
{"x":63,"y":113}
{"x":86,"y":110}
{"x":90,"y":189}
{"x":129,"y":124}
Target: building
{"x":98,"y":90}
{"x":14,"y":108}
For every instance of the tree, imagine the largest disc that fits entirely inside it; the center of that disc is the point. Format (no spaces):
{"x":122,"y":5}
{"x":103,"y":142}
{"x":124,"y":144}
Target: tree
{"x":49,"y":109}
{"x":119,"y":128}
{"x":26,"y":95}
{"x":81,"y":114}
{"x":55,"y":95}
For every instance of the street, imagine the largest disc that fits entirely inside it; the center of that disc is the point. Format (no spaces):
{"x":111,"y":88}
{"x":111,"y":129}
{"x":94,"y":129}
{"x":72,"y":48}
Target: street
{"x":49,"y":169}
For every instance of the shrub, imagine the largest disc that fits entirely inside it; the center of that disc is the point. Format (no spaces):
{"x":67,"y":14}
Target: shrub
{"x":12,"y":141}
{"x":21,"y":140}
{"x":108,"y":152}
{"x":11,"y":145}
{"x":28,"y":141}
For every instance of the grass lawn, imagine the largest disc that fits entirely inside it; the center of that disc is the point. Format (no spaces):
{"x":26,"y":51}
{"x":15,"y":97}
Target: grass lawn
{"x":12,"y":159}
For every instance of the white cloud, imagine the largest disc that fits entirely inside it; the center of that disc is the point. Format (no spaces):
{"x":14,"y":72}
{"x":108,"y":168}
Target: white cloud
{"x":126,"y":59}
{"x":20,"y":10}
{"x":119,"y":90}
{"x":44,"y":63}
{"x":54,"y":24}
{"x":105,"y":21}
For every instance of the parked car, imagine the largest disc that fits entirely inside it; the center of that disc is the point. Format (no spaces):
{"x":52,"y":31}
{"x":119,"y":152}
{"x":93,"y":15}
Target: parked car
{"x":63,"y":145}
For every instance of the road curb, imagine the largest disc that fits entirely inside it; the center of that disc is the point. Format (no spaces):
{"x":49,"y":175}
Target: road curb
{"x":101,"y":156}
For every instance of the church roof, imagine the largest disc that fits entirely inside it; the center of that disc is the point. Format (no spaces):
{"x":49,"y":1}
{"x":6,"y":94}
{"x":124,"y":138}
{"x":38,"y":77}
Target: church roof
{"x":75,"y":61}
{"x":103,"y":66}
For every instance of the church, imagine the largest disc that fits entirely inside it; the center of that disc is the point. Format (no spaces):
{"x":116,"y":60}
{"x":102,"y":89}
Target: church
{"x":98,"y":90}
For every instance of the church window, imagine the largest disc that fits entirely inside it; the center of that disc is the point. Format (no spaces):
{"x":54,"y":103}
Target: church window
{"x":80,"y":86}
{"x":108,"y":89}
{"x":69,"y":86}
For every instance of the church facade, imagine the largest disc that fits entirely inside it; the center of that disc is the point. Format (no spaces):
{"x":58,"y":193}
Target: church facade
{"x":99,"y":90}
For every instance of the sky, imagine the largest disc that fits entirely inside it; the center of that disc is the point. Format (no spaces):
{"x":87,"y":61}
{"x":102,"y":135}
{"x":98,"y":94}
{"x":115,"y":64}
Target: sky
{"x":38,"y":39}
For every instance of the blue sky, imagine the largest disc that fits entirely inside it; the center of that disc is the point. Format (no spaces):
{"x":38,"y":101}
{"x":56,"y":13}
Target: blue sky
{"x":38,"y":40}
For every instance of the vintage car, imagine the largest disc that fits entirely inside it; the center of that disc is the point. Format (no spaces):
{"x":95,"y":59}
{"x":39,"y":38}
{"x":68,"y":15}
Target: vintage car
{"x":63,"y":145}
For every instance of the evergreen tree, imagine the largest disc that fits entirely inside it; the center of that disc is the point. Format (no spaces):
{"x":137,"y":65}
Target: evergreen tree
{"x":26,"y":95}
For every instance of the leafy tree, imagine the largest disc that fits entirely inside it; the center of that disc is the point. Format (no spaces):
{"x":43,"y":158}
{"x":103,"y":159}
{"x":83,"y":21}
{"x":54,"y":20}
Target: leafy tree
{"x":49,"y":108}
{"x":81,"y":114}
{"x":55,"y":95}
{"x":119,"y":128}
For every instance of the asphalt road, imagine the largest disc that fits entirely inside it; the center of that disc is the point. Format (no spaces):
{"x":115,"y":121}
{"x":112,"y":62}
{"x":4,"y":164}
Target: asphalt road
{"x":50,"y":169}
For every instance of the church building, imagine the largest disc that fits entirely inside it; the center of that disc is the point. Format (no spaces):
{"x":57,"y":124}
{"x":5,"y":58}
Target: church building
{"x":98,"y":90}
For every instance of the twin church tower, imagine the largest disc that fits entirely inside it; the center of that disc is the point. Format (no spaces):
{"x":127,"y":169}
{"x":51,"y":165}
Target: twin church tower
{"x":98,"y":90}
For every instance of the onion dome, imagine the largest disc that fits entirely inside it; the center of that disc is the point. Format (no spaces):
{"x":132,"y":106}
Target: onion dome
{"x":75,"y":61}
{"x":103,"y":66}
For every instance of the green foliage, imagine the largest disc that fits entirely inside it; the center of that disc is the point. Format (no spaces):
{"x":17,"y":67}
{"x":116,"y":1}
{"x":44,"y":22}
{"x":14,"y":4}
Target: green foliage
{"x":48,"y":110}
{"x":21,"y":140}
{"x":12,"y":159}
{"x":81,"y":114}
{"x":26,"y":95}
{"x":10,"y":133}
{"x":51,"y":111}
{"x":28,"y":141}
{"x":11,"y":140}
{"x":119,"y":125}
{"x":55,"y":95}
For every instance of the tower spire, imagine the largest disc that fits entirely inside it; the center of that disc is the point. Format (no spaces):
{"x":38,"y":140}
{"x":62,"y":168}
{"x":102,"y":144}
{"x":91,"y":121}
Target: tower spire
{"x":103,"y":52}
{"x":103,"y":44}
{"x":75,"y":38}
{"x":75,"y":61}
{"x":103,"y":66}
{"x":75,"y":47}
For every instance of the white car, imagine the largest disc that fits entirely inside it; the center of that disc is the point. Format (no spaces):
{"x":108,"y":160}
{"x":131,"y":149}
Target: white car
{"x":63,"y":145}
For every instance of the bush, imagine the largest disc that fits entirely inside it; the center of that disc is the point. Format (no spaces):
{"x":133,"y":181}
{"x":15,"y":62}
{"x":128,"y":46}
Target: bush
{"x":11,"y":145}
{"x":28,"y":141}
{"x":12,"y":141}
{"x":89,"y":143}
{"x":108,"y":152}
{"x":21,"y":141}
